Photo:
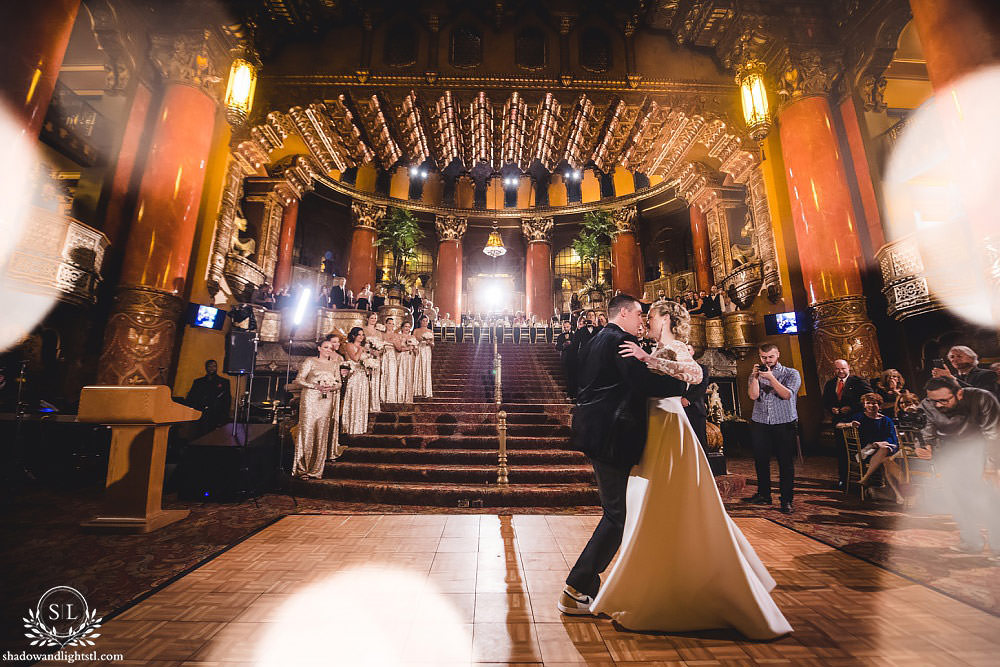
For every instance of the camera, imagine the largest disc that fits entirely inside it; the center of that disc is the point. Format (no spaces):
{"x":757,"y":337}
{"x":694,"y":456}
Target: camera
{"x":762,"y":368}
{"x":913,"y":421}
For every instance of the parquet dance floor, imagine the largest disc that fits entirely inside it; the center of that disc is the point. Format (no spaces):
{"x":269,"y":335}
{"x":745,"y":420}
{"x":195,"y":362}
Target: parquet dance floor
{"x":443,"y":590}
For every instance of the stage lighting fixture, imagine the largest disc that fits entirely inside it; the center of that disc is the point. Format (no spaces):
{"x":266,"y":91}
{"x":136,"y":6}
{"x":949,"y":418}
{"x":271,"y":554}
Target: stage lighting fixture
{"x":300,"y":307}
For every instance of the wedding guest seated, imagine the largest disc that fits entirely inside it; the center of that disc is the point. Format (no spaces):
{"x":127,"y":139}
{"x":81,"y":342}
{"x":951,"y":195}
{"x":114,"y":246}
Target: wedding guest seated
{"x":889,"y":386}
{"x":210,"y":394}
{"x":879,"y":443}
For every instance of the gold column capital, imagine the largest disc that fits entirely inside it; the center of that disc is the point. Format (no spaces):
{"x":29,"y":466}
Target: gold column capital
{"x":365,"y":215}
{"x":624,"y":220}
{"x":537,"y":230}
{"x":450,"y":227}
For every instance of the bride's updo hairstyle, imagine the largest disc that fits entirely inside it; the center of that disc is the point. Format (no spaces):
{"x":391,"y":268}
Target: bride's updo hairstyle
{"x":680,"y":320}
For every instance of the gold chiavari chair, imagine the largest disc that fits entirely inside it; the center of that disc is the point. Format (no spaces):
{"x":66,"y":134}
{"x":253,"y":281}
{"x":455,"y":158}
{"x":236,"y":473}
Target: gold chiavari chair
{"x":856,"y":466}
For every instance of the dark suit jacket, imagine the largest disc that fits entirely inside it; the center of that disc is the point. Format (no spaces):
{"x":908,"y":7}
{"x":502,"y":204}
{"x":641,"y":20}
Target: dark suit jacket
{"x":854,"y":388}
{"x":581,"y":337}
{"x":564,"y":340}
{"x":980,"y":378}
{"x":337,"y":296}
{"x":211,"y":395}
{"x":712,"y":306}
{"x":377,"y":302}
{"x":609,"y":420}
{"x":696,"y":395}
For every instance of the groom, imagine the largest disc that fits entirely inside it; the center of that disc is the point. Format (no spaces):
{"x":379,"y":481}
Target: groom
{"x":609,"y":426}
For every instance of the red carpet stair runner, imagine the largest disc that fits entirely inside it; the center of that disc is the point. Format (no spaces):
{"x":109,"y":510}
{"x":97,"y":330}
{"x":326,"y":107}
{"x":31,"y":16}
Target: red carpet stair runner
{"x":442,"y":451}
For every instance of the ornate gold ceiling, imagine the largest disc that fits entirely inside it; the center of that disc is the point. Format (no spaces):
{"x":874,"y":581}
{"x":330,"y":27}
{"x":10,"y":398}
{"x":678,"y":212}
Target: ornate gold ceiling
{"x":459,"y":132}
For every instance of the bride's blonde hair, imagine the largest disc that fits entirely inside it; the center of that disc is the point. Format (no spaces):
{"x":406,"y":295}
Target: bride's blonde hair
{"x":680,"y":319}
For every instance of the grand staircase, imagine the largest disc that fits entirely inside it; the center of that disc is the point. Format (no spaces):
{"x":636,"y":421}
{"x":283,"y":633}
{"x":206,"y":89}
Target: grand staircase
{"x":442,"y":451}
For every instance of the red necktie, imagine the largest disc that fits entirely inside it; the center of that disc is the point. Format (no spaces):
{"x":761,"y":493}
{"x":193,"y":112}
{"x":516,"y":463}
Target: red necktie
{"x":840,"y":388}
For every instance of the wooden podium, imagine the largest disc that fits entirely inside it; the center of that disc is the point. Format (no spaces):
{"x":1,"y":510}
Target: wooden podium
{"x":140,"y":418}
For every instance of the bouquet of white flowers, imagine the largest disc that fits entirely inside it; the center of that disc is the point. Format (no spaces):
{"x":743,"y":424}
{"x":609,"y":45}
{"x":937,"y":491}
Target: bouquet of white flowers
{"x":369,"y":363}
{"x":411,"y":343}
{"x":324,"y":378}
{"x":427,"y":337}
{"x":380,"y":327}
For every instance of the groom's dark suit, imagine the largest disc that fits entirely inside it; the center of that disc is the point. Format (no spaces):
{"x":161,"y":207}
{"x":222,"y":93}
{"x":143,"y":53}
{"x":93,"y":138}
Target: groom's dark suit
{"x":609,"y":426}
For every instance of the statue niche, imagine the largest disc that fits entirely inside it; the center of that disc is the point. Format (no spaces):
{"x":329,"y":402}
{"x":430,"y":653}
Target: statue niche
{"x":243,"y":243}
{"x":744,"y":253}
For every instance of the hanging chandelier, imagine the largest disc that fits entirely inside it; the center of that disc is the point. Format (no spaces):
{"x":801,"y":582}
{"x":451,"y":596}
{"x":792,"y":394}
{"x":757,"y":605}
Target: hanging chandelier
{"x":494,"y":244}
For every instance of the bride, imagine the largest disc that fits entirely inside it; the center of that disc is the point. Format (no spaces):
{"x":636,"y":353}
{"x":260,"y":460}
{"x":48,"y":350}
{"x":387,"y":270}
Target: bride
{"x":683,"y":565}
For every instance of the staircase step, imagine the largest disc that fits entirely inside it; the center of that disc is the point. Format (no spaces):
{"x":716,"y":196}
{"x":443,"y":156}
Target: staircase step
{"x":464,"y":456}
{"x":540,"y":419}
{"x":459,"y":473}
{"x":446,"y":429}
{"x":449,"y":495}
{"x":454,"y":441}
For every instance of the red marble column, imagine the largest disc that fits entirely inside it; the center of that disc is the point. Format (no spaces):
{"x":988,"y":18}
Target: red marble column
{"x":538,"y":268}
{"x":448,"y":275}
{"x":361,"y":262}
{"x":286,"y":246}
{"x":826,"y":234}
{"x":625,"y":262}
{"x":957,"y":36}
{"x":128,"y":155}
{"x":863,"y":174}
{"x":34,"y":39}
{"x":140,"y":335}
{"x":700,"y":243}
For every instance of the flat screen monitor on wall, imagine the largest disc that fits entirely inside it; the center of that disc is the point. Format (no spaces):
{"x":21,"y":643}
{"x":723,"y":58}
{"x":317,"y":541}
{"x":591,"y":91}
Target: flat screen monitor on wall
{"x":783,"y":323}
{"x":205,"y":317}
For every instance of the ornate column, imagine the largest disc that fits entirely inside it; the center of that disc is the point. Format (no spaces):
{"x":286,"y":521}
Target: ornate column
{"x":361,"y":262}
{"x":35,"y":43}
{"x":286,"y":246}
{"x":699,"y":241}
{"x":625,"y":262}
{"x":538,"y":267}
{"x":824,"y":219}
{"x":448,"y":276}
{"x":957,"y":36}
{"x":140,"y":334}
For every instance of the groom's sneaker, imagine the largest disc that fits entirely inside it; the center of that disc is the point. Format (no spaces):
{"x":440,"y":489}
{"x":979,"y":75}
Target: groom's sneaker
{"x":758,"y":499}
{"x":574,"y":603}
{"x":786,"y":507}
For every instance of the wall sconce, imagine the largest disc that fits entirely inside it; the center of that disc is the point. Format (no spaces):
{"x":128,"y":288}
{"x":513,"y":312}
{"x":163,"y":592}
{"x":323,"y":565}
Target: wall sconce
{"x":753,"y":94}
{"x":239,"y":91}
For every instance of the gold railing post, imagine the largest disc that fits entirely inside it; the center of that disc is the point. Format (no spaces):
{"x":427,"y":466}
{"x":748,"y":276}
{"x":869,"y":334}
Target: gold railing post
{"x":502,"y":455}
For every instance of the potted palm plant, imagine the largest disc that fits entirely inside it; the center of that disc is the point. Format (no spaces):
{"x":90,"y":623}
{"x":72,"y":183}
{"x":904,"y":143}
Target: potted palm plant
{"x":398,"y":234}
{"x":593,"y":244}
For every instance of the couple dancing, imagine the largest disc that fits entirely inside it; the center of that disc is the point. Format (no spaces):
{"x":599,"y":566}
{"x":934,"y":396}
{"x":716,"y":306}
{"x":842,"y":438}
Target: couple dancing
{"x":683,"y":564}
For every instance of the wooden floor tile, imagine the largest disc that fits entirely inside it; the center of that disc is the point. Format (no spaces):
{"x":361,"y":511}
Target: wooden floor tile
{"x":443,"y":590}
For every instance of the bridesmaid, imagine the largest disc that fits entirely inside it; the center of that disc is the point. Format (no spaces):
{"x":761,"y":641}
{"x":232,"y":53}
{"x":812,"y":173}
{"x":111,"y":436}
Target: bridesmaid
{"x":422,"y":370}
{"x":373,"y":337}
{"x":319,"y":378}
{"x":407,"y":346}
{"x":365,"y":298}
{"x":354,"y":416}
{"x":389,"y":391}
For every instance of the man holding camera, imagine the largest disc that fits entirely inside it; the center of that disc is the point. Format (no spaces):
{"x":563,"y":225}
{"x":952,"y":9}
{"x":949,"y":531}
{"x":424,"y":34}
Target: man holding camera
{"x":773,"y":388}
{"x":962,"y":435}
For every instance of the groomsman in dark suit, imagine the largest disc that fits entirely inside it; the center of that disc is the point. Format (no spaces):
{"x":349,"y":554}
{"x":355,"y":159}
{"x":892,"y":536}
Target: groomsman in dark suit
{"x":563,"y":343}
{"x":693,"y":401}
{"x":842,"y":398}
{"x":337,"y":296}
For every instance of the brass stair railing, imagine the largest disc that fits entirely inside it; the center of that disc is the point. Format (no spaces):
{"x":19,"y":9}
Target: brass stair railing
{"x":502,"y":471}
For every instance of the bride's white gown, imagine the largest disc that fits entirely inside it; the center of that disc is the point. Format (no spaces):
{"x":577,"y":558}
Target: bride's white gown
{"x":683,"y":564}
